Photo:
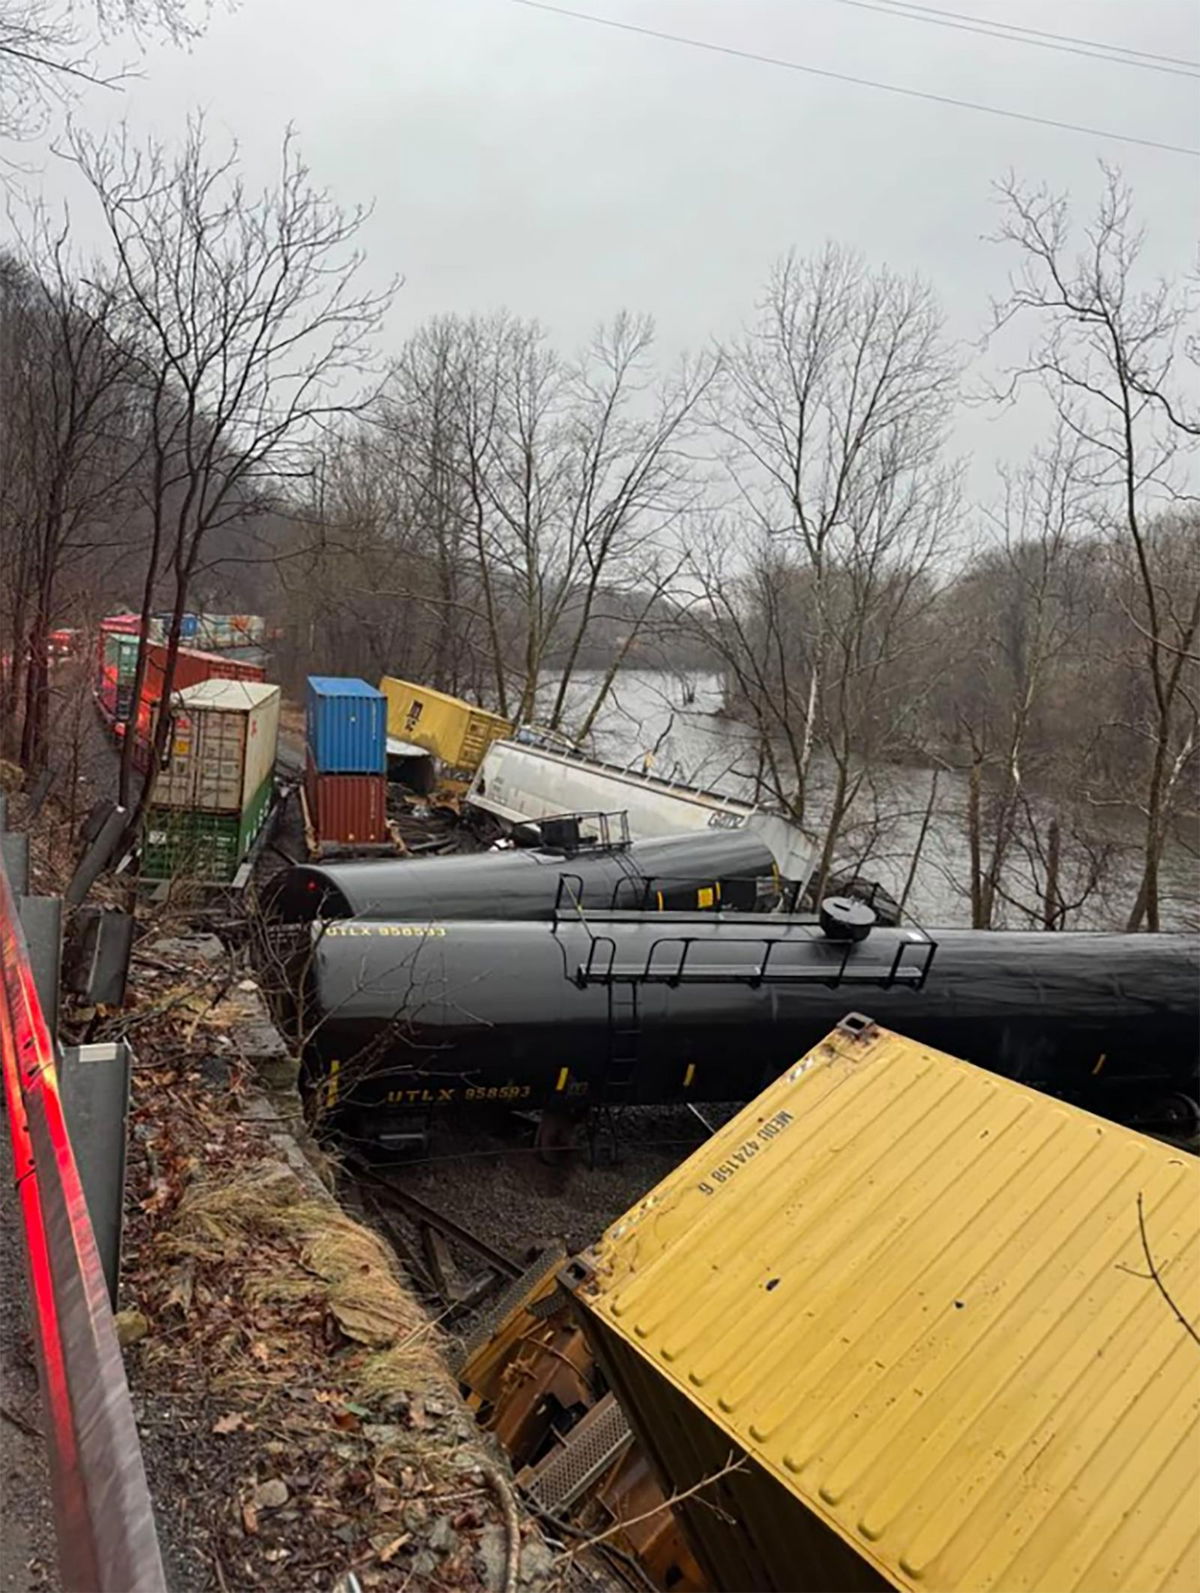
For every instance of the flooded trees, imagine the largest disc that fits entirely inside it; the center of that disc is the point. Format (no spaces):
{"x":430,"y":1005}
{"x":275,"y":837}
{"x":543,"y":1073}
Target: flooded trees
{"x":1017,"y":629}
{"x":1107,"y":350}
{"x":831,"y":414}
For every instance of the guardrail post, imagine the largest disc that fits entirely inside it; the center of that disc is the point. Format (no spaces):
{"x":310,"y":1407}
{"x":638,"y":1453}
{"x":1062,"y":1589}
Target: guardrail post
{"x":95,"y":1093}
{"x":41,"y":919}
{"x":96,"y":858}
{"x":14,"y":850}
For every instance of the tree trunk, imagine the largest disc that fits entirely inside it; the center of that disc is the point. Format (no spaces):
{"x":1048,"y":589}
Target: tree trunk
{"x":833,"y":830}
{"x":1146,"y":903}
{"x":37,"y":694}
{"x":974,"y":841}
{"x":919,"y":848}
{"x":1051,"y":898}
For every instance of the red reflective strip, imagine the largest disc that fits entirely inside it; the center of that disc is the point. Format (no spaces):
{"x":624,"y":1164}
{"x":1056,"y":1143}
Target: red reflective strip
{"x":45,"y":1311}
{"x":27,"y":1055}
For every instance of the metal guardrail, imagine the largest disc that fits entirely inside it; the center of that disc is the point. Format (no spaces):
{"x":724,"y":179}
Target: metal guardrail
{"x":103,"y":1516}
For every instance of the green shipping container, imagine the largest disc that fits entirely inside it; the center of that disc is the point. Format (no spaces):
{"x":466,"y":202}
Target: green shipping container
{"x":122,"y":651}
{"x":187,"y":843}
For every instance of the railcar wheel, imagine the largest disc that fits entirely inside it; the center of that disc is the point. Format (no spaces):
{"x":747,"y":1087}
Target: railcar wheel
{"x":1177,"y":1116}
{"x":555,"y":1137}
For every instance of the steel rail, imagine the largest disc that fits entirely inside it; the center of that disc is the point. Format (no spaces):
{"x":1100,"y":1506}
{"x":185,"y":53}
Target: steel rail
{"x":103,"y":1515}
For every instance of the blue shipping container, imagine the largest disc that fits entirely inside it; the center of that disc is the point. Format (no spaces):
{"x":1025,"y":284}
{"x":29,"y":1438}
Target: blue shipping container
{"x":160,"y":627}
{"x":347,"y":726}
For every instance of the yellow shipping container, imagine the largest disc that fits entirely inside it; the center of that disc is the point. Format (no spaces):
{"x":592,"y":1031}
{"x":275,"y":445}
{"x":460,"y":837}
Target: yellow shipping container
{"x":456,"y":732}
{"x":917,"y":1303}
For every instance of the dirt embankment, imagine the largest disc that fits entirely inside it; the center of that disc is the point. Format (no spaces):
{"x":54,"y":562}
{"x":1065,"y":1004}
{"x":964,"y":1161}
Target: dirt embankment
{"x":298,"y":1420}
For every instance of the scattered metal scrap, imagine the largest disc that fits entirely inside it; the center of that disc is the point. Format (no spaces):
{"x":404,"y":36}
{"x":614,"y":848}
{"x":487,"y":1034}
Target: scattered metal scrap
{"x":529,"y":1375}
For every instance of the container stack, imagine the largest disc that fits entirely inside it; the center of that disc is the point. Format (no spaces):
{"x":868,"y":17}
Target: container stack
{"x":213,"y":795}
{"x":212,"y":632}
{"x":345,"y":777}
{"x":191,"y":667}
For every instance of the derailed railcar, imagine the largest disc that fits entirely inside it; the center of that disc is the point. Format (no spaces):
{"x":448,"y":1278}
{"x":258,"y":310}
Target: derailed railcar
{"x":687,"y":1007}
{"x":895,"y":1326}
{"x":712,"y":870}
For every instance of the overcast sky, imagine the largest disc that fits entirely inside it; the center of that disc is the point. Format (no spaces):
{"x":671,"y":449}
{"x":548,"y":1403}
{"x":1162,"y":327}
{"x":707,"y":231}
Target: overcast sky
{"x":566,"y":170}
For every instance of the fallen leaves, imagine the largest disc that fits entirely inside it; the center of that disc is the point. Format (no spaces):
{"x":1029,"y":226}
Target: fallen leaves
{"x":281,"y":1341}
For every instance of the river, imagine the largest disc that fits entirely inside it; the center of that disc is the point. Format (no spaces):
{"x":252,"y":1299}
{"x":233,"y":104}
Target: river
{"x":674,"y":719}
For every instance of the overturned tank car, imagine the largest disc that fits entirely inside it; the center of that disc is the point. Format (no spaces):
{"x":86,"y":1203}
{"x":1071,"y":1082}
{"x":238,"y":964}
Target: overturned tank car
{"x":623,"y":1007}
{"x":711,"y":870}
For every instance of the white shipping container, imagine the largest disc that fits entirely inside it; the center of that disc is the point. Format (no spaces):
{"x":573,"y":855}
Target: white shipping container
{"x":223,"y":745}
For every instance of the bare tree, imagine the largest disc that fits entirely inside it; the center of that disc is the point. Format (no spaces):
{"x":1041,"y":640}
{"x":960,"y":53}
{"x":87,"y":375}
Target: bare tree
{"x":247,"y":321}
{"x":1106,"y":351}
{"x":1010,"y":626}
{"x":48,"y":49}
{"x":517,"y":503}
{"x":832,"y":413}
{"x":71,"y":435}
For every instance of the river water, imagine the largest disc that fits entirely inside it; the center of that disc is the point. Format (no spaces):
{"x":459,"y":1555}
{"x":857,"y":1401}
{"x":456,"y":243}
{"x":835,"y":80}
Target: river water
{"x":675,"y":721}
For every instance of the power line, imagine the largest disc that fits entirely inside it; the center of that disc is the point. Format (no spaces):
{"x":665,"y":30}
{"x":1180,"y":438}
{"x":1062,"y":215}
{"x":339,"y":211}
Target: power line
{"x":1040,"y":33}
{"x":1089,"y":49}
{"x":846,"y":77}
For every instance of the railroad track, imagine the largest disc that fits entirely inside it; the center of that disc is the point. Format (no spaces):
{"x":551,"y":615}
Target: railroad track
{"x":430,"y":1258}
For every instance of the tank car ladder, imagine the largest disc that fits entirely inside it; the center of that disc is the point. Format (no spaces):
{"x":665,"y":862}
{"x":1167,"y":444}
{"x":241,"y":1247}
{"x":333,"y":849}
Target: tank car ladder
{"x":624,"y":1059}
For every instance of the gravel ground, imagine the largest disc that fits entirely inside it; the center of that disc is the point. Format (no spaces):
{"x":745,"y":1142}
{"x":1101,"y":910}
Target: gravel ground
{"x":27,"y":1546}
{"x":486,"y":1175}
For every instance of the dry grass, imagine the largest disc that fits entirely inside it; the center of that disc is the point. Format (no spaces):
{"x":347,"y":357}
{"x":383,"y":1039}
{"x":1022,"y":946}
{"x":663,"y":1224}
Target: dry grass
{"x":292,"y":1251}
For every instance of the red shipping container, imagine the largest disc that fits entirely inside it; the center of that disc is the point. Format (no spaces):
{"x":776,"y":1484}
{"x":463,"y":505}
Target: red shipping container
{"x":191,"y":667}
{"x":350,"y":809}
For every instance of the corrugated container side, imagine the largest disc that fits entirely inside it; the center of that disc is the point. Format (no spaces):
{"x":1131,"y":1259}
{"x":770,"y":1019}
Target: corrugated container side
{"x":254,"y":815}
{"x":181,"y":843}
{"x":123,"y":652}
{"x":747,"y":1529}
{"x":916,"y":1296}
{"x":191,"y":667}
{"x":348,"y":809}
{"x":482,"y":729}
{"x":263,"y":747}
{"x":186,"y":843}
{"x":219,"y":755}
{"x":347,"y":726}
{"x":455,"y":731}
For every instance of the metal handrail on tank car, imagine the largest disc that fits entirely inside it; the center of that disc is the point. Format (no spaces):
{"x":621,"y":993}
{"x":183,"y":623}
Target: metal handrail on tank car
{"x":103,"y":1516}
{"x":612,"y":827}
{"x":914,"y":975}
{"x":569,"y":893}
